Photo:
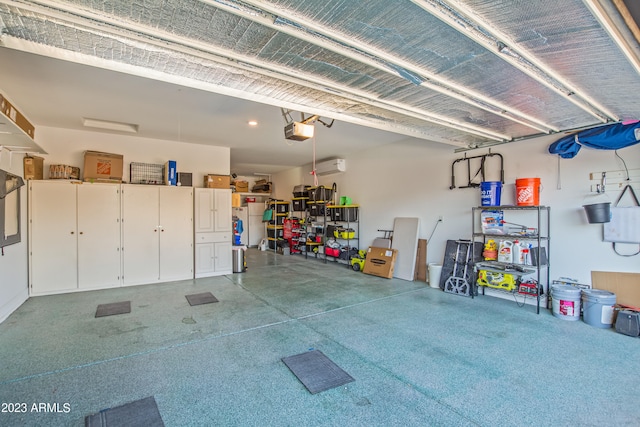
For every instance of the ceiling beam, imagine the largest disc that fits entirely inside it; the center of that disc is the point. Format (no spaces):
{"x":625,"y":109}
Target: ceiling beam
{"x":79,"y":58}
{"x":111,"y":27}
{"x":309,"y":31}
{"x":462,"y":19}
{"x":623,"y":30}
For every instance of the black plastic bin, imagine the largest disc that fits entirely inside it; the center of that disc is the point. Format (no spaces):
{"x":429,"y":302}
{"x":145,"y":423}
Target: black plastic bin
{"x":299,"y":204}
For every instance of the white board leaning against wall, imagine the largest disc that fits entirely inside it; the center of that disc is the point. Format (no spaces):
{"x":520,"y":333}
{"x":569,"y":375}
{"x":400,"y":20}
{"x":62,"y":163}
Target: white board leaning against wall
{"x":405,"y":240}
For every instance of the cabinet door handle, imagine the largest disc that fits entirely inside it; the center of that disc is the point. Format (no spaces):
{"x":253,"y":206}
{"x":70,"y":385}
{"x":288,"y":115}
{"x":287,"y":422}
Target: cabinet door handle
{"x":82,"y":232}
{"x":73,"y":232}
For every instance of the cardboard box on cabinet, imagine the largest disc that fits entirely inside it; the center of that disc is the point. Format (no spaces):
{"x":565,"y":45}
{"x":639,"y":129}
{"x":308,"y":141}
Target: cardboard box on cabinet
{"x":217,"y":181}
{"x":33,"y":167}
{"x":102,"y":166}
{"x":63,"y":172}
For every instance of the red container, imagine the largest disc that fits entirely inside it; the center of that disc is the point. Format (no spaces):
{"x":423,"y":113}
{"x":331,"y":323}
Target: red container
{"x":332,"y":252}
{"x":528,"y":191}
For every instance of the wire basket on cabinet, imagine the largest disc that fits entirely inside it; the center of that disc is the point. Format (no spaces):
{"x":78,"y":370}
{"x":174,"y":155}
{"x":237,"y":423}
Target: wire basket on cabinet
{"x":145,"y":173}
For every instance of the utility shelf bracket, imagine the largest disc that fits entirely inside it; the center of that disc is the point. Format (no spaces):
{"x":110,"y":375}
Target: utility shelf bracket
{"x":480,"y":172}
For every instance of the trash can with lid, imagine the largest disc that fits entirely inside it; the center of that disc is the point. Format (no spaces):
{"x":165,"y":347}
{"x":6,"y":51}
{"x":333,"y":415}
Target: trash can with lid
{"x":239,"y":263}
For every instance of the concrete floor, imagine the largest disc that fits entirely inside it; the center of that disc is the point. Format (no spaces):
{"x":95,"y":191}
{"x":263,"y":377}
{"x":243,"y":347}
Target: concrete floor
{"x":420,"y":357}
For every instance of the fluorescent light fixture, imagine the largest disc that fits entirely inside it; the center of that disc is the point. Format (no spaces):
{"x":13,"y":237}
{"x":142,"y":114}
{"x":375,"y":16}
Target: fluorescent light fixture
{"x":108,"y":125}
{"x":252,"y":123}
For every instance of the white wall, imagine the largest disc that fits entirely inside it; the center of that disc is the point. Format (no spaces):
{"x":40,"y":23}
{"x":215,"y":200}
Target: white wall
{"x":412,"y":179}
{"x":67,"y":147}
{"x":403,"y":179}
{"x":284,"y":182}
{"x":13,"y":264}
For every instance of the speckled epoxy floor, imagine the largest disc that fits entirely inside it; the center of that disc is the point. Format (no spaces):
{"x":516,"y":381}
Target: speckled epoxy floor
{"x":419,"y":356}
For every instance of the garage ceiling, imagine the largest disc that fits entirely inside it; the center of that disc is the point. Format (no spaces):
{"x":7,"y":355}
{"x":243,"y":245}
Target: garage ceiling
{"x":462,"y":73}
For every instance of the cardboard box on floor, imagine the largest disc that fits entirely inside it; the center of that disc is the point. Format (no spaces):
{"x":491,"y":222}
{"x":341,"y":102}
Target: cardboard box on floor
{"x":626,"y":286}
{"x":380,"y":262}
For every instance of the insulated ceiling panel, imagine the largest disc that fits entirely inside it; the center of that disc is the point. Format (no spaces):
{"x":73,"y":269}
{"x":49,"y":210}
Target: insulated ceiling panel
{"x":568,"y":37}
{"x":465,"y":73}
{"x":409,"y":33}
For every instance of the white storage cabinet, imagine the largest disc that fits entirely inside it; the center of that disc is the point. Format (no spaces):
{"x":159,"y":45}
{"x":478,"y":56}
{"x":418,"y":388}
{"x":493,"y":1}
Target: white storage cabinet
{"x":157,"y":233}
{"x":74,"y":236}
{"x":213,"y":232}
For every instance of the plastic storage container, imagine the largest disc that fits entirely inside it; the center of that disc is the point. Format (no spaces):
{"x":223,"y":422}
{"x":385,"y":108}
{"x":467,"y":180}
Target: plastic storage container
{"x":299,"y":204}
{"x":598,"y":213}
{"x":435,"y":271}
{"x":598,"y":307}
{"x":565,"y":302}
{"x":528,"y":191}
{"x":490,"y":193}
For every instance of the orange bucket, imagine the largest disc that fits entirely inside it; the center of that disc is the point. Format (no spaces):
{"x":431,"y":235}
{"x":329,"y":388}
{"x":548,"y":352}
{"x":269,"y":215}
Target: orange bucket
{"x":528,"y":191}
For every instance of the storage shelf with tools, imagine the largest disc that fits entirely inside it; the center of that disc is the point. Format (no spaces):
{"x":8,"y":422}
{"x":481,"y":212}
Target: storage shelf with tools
{"x":343,"y":234}
{"x":317,"y":219}
{"x":516,"y":256}
{"x":503,"y":267}
{"x":298,"y":222}
{"x":315,"y":229}
{"x":294,"y":232}
{"x":275,"y":226}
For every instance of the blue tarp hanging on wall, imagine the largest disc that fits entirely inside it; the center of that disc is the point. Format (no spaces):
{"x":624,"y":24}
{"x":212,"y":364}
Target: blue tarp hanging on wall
{"x":607,"y":137}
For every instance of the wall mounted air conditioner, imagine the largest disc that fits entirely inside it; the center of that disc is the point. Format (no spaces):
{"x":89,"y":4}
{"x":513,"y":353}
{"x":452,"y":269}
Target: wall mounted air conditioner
{"x":329,"y":167}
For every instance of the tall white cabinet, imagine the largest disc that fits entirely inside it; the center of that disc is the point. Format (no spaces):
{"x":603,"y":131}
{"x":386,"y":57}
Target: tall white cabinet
{"x":213,"y":232}
{"x":74,"y":236}
{"x":157,"y":233}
